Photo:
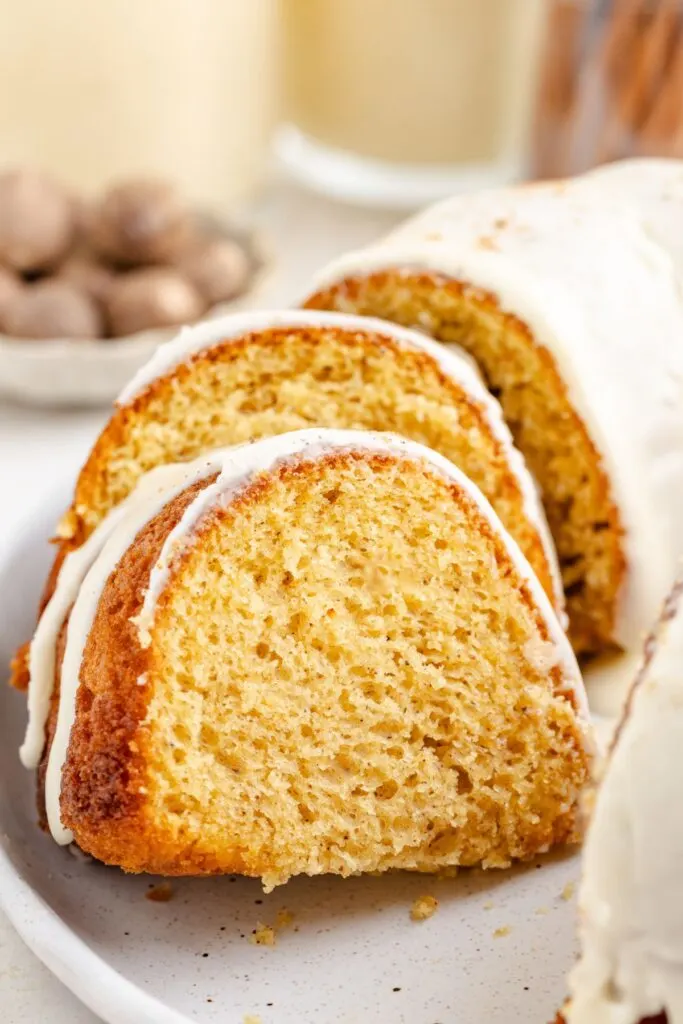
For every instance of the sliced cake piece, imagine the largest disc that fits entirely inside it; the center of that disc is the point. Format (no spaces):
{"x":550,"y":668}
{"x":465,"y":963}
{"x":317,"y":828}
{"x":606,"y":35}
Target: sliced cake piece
{"x":573,"y":311}
{"x":631,"y":927}
{"x":259,"y":374}
{"x":320,"y":652}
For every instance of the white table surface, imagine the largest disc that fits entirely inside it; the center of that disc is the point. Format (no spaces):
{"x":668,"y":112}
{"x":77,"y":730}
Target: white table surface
{"x":39,"y":448}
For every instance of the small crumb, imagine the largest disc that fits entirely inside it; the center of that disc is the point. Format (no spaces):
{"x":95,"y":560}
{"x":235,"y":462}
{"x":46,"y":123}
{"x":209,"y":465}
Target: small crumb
{"x":541,"y":911}
{"x":433,"y":236}
{"x":283,"y":918}
{"x":501,"y":933}
{"x":487,"y":243}
{"x":263,"y":935}
{"x":489,"y":905}
{"x":568,"y":891}
{"x":161,"y":893}
{"x":423,"y":908}
{"x":251,"y":1018}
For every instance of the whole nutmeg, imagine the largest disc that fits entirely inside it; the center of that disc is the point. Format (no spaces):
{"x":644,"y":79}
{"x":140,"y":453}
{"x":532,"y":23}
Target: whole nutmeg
{"x":10,"y":286}
{"x":87,"y":273}
{"x":153,"y":297}
{"x":219,"y":269}
{"x":37,"y":221}
{"x":140,"y":222}
{"x":53,"y":309}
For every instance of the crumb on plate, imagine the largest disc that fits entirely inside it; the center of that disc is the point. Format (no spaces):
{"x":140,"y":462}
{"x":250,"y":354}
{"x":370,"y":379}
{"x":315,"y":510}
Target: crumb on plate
{"x":500,"y":933}
{"x":423,"y":908}
{"x":161,"y":893}
{"x":283,"y":918}
{"x":568,"y":891}
{"x":263,"y":935}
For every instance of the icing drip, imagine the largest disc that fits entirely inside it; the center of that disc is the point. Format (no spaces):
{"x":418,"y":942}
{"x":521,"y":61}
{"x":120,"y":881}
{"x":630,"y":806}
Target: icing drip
{"x":79,"y":585}
{"x":237,"y":467}
{"x":631,"y":928}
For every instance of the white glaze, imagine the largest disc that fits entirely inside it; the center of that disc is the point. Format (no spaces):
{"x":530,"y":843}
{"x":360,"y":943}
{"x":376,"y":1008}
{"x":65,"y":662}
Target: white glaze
{"x":238,"y":466}
{"x":41,"y":663}
{"x":606,"y":301}
{"x":654,"y":188}
{"x":106,"y":547}
{"x":454,"y":363}
{"x":631,"y":926}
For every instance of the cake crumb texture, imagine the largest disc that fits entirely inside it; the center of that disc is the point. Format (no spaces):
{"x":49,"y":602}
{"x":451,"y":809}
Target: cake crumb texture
{"x":285,"y":379}
{"x":583,"y":518}
{"x":336,"y":683}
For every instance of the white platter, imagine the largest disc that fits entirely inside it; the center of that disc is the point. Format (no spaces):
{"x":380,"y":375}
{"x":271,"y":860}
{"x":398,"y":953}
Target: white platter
{"x":356,"y":957}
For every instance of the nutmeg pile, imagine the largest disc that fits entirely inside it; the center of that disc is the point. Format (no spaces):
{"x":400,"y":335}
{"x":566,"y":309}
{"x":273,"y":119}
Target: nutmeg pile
{"x":137,"y":258}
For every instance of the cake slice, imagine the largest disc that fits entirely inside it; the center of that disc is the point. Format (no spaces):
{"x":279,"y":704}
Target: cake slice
{"x":319,"y":652}
{"x":630,"y":925}
{"x":259,"y":374}
{"x":569,"y":300}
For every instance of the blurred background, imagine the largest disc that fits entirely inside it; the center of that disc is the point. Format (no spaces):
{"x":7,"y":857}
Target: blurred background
{"x":322,"y":121}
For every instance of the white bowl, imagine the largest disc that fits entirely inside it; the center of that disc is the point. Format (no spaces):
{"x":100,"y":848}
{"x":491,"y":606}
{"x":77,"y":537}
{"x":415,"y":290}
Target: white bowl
{"x":67,"y":372}
{"x":495,"y":952}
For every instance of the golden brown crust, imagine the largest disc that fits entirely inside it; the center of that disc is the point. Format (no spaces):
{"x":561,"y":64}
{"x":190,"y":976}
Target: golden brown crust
{"x":102,"y":800}
{"x":18,"y":667}
{"x":586,"y":634}
{"x":105,"y":777}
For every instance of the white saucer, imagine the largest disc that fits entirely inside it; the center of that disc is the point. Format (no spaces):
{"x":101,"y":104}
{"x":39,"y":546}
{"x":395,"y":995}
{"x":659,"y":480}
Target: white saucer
{"x":495,"y":952}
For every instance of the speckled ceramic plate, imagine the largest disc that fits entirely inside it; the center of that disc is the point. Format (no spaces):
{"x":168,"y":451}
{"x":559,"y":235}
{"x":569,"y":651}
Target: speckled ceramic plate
{"x":495,"y":952}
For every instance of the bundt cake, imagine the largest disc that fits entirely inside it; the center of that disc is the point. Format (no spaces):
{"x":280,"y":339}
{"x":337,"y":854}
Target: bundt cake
{"x":631,"y":964}
{"x":319,"y":652}
{"x":574,"y":313}
{"x":259,"y":374}
{"x":654,"y":187}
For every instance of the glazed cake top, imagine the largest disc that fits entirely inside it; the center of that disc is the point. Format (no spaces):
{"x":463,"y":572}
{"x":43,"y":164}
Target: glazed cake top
{"x":581,"y":265}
